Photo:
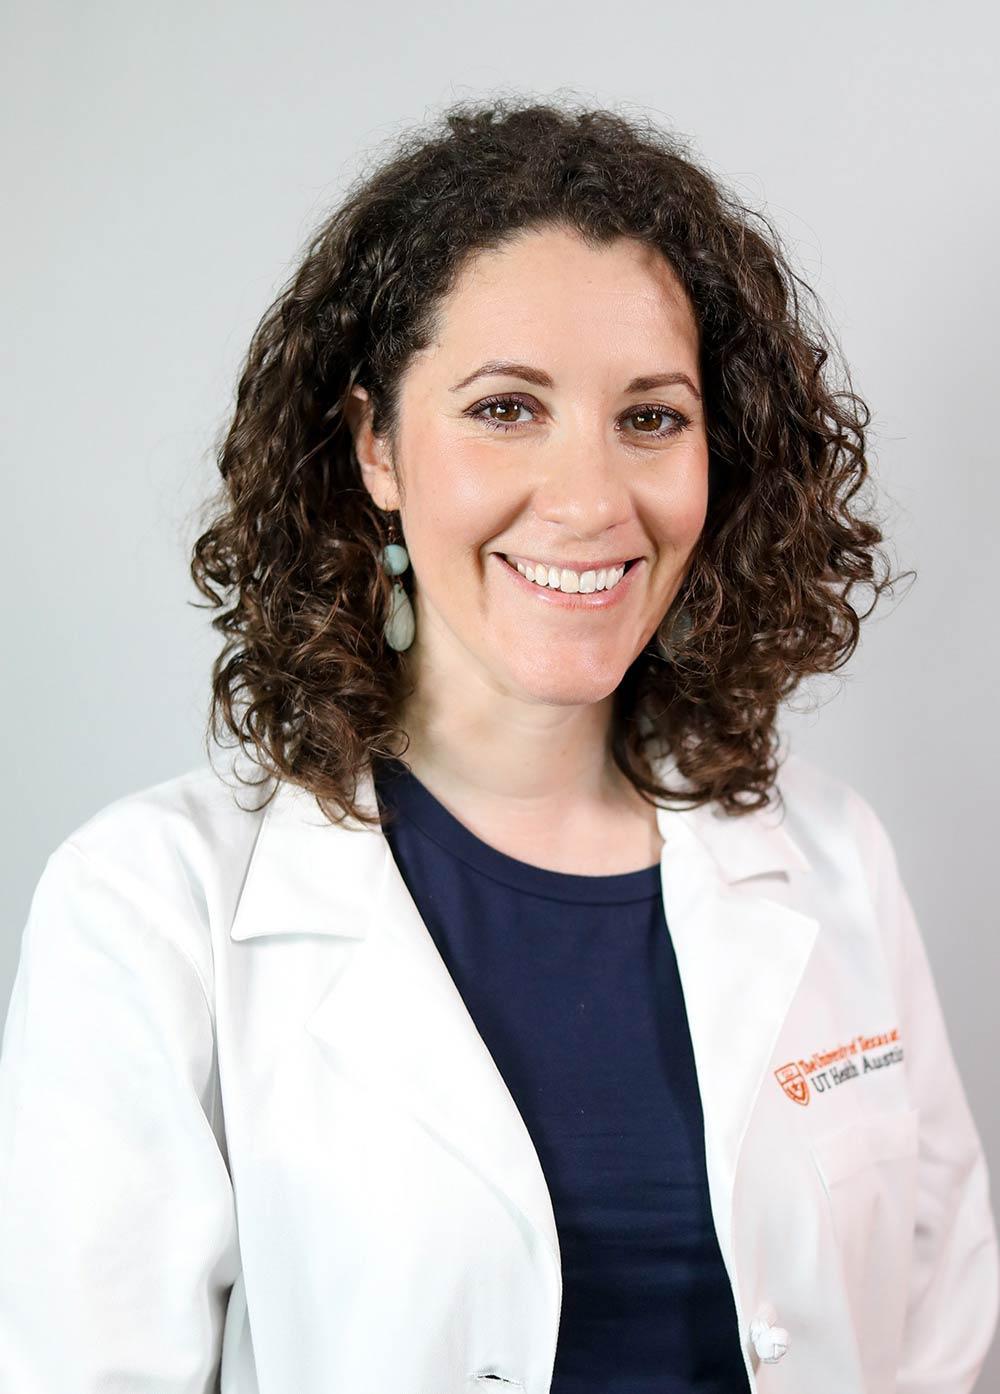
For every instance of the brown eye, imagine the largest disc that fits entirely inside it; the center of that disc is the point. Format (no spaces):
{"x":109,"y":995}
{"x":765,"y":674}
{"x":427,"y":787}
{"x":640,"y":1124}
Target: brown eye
{"x":509,"y":406}
{"x":505,"y":412}
{"x":656,"y":417}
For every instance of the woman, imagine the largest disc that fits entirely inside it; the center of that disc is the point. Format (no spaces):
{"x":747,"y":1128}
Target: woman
{"x":538,"y":1029}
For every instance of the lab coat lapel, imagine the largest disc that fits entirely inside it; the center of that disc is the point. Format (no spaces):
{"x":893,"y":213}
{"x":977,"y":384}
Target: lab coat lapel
{"x":393,"y":1020}
{"x":741,"y":956}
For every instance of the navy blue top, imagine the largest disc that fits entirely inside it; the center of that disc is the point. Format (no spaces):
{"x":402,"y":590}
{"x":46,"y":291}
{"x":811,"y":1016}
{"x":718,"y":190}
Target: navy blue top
{"x":573,"y":985}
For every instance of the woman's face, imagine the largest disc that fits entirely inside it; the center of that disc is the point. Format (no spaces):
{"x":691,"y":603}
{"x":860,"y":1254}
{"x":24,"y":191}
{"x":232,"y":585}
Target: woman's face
{"x":593,"y":453}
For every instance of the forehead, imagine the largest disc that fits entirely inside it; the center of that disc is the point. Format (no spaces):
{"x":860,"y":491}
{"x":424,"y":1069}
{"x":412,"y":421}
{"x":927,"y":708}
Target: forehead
{"x":547,"y":293}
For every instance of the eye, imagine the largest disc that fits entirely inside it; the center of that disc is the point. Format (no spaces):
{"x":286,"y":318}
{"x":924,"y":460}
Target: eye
{"x":675,"y":420}
{"x":488,"y":403}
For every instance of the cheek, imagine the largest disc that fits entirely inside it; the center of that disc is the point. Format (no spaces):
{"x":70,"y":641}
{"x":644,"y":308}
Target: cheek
{"x":689,"y":519}
{"x":459,"y":504}
{"x":462,"y":495}
{"x":681,"y":508}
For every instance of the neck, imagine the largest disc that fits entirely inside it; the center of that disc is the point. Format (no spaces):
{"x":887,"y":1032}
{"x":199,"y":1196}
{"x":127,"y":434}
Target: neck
{"x":538,"y":765}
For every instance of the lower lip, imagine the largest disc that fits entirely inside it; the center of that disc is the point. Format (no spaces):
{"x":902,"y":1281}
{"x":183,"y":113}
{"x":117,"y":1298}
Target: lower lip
{"x":564,"y":600}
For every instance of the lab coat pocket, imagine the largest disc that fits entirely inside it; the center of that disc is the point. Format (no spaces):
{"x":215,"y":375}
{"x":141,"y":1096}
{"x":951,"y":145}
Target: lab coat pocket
{"x":869,"y":1172}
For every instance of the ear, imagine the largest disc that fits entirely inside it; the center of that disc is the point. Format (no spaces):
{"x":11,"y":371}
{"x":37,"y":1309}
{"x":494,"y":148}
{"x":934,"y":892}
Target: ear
{"x":372,"y":451}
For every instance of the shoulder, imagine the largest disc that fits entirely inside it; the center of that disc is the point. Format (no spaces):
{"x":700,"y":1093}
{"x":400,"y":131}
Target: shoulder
{"x":817,"y":829}
{"x":180,"y":824}
{"x":166,"y":858}
{"x":836,"y":825}
{"x":813,"y":790}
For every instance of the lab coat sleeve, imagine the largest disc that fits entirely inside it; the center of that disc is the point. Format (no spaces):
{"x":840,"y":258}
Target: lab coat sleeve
{"x":117,"y":1227}
{"x":953,"y":1287}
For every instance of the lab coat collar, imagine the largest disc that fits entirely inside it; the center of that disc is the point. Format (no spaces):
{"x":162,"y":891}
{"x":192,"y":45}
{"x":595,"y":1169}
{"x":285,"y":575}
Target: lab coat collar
{"x":309,"y":876}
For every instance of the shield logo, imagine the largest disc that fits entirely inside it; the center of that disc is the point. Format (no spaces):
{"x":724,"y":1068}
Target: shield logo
{"x":794,"y":1083}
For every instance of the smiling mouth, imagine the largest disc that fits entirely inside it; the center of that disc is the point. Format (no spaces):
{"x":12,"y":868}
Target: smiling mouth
{"x":569,"y":580}
{"x":580,"y":570}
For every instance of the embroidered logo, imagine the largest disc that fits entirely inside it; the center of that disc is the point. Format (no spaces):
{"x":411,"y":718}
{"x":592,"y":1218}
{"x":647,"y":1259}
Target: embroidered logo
{"x":826,"y":1070}
{"x":792,"y":1080}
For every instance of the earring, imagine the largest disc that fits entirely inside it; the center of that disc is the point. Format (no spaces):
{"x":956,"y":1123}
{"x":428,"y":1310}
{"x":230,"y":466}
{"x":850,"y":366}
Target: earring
{"x":401,"y":625}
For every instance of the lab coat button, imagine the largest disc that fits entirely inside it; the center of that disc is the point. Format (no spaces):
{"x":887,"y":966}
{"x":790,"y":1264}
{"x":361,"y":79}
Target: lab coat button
{"x":769,"y":1341}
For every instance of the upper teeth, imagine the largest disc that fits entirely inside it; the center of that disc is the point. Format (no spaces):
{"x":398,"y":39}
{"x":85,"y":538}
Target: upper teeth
{"x":563,"y":579}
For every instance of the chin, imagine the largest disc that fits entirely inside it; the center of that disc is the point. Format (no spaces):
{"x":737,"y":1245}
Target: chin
{"x":567,"y":684}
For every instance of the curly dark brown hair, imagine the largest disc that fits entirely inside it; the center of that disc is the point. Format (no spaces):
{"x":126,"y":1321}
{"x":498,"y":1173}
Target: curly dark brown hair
{"x":306,"y":682}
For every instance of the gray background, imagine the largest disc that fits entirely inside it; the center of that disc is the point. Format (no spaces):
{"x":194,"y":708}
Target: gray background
{"x":163,"y":166}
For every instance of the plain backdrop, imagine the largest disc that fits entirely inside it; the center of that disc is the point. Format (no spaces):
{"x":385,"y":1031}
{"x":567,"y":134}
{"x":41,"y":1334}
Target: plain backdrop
{"x":163,"y":166}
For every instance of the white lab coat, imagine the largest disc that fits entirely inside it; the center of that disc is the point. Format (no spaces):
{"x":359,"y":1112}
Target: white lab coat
{"x":251,"y":1140}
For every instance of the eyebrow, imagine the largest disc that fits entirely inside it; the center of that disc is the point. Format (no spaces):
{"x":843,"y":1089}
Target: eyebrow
{"x":501,"y":367}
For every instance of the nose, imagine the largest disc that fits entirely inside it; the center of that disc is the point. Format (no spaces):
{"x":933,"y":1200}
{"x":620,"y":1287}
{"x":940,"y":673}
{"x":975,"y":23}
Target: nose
{"x":585,"y":491}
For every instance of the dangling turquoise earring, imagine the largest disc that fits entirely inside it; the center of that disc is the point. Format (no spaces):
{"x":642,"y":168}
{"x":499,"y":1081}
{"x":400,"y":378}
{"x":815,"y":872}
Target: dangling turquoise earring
{"x":401,"y":625}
